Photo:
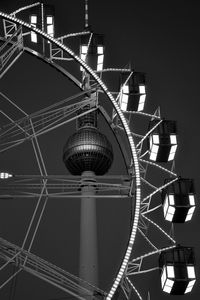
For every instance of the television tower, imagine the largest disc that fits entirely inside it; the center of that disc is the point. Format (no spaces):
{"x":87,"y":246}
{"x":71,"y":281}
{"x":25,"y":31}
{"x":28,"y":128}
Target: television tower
{"x":88,"y":152}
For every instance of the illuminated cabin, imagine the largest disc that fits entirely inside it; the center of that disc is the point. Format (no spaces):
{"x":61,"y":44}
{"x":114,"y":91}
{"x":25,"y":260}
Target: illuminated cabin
{"x":132,"y":91}
{"x":177,"y":270}
{"x":92,"y":50}
{"x":178,"y":200}
{"x":162,"y":140}
{"x":36,"y":18}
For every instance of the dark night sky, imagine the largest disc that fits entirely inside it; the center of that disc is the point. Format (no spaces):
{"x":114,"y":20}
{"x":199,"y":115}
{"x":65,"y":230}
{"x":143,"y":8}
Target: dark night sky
{"x":160,"y":38}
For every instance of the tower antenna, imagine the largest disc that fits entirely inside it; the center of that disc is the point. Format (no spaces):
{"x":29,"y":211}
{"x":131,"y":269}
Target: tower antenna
{"x":86,"y":14}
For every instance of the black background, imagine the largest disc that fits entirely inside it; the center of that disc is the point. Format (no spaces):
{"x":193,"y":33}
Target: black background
{"x":160,"y":38}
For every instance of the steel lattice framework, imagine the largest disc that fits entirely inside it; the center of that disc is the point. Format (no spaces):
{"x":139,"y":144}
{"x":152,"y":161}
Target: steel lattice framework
{"x":28,"y":128}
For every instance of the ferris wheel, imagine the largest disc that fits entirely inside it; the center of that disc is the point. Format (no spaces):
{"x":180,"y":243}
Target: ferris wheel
{"x":102,"y":120}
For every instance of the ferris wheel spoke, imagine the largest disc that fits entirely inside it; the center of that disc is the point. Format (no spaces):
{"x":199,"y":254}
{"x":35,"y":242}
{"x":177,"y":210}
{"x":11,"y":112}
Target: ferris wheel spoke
{"x":45,"y":270}
{"x":146,"y":182}
{"x":159,"y":190}
{"x":147,"y":134}
{"x":143,"y":114}
{"x":134,"y":289}
{"x":134,"y":134}
{"x":145,"y":204}
{"x":147,"y":255}
{"x":41,"y":118}
{"x":11,"y":50}
{"x":60,"y":122}
{"x":39,"y":157}
{"x":43,"y":172}
{"x":34,"y":216}
{"x":137,"y":135}
{"x":59,"y":107}
{"x":9,"y":261}
{"x":144,"y":154}
{"x":37,"y":224}
{"x":45,"y":278}
{"x":134,"y":266}
{"x":127,"y":79}
{"x":38,"y":153}
{"x":144,"y":271}
{"x":42,"y":127}
{"x":11,"y":127}
{"x":160,"y":229}
{"x":158,"y":166}
{"x":152,"y":209}
{"x":10,"y":278}
{"x":126,"y":288}
{"x":5,"y":97}
{"x":147,"y":239}
{"x":143,"y":225}
{"x":143,"y":170}
{"x":88,"y":45}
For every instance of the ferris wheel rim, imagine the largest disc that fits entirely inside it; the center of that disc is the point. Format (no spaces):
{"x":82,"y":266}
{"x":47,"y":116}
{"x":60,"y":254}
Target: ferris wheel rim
{"x":134,"y":154}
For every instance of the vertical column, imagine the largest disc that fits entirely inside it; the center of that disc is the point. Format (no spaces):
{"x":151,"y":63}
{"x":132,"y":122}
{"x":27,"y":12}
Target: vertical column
{"x":88,"y":233}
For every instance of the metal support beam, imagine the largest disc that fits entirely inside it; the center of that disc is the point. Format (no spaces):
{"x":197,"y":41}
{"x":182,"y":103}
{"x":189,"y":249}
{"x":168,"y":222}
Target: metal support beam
{"x":11,"y":50}
{"x":62,"y":187}
{"x":43,"y":121}
{"x":44,"y":270}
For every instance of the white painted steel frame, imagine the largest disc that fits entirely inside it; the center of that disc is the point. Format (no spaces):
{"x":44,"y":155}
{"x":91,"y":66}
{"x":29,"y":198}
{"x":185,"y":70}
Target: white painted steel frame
{"x":21,"y":130}
{"x":134,"y":154}
{"x":42,"y":269}
{"x":134,"y":267}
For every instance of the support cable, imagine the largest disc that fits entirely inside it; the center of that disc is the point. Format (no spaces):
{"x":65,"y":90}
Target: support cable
{"x":13,"y":103}
{"x":152,"y":209}
{"x":158,"y":166}
{"x":145,"y":271}
{"x":142,"y":155}
{"x":149,"y":184}
{"x":140,"y":113}
{"x":148,"y":133}
{"x":33,"y":217}
{"x":127,"y":79}
{"x":146,"y":238}
{"x":151,"y":253}
{"x":157,"y":226}
{"x":134,"y":288}
{"x":159,"y":189}
{"x":37,"y":225}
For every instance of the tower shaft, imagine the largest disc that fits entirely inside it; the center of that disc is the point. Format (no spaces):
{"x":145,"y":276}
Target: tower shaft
{"x":88,"y":233}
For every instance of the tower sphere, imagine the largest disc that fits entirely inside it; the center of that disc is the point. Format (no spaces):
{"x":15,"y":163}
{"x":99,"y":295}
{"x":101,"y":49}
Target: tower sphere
{"x":88,"y":150}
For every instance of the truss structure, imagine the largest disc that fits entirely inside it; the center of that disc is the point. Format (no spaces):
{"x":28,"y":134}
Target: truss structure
{"x":136,"y":185}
